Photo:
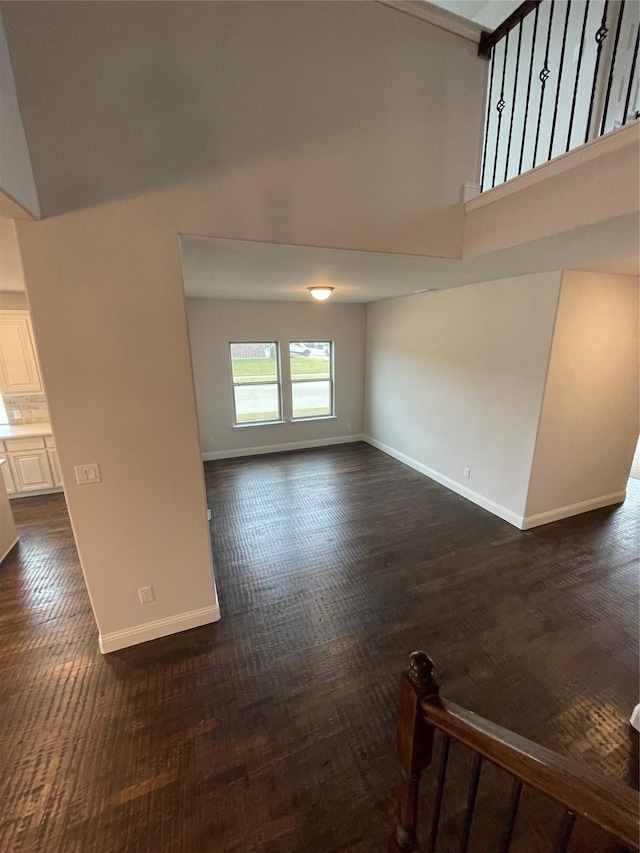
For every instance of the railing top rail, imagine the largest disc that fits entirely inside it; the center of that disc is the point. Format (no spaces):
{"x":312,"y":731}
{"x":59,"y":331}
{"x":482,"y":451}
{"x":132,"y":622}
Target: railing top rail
{"x":489,"y":40}
{"x":611,"y":806}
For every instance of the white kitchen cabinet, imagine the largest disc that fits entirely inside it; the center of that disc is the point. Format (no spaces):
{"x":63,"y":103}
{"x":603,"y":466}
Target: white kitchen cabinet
{"x":7,"y":476}
{"x":31,"y":470}
{"x":19,"y":373}
{"x":54,"y":465}
{"x":32,"y":467}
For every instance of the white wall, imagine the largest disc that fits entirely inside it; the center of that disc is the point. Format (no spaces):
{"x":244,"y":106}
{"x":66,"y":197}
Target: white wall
{"x":8,"y":532}
{"x":11,"y":273}
{"x":589,"y":423}
{"x":455,"y":379}
{"x":110,"y":325}
{"x":16,"y":176}
{"x":213,"y":324}
{"x":331,"y":124}
{"x":13,"y":301}
{"x":288,"y":122}
{"x":308,"y":122}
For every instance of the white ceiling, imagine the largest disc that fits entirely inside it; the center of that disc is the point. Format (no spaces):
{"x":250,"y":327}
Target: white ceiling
{"x":238,"y":269}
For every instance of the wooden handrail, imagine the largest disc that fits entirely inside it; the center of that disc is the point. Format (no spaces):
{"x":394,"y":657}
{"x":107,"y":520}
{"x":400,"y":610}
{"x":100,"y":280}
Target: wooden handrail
{"x":489,"y":40}
{"x":603,"y":805}
{"x":610,"y":805}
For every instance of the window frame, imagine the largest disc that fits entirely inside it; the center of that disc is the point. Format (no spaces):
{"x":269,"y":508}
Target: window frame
{"x":278,"y":383}
{"x":330,"y":380}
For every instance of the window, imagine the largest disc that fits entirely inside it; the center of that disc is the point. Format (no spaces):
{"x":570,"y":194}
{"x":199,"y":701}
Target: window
{"x":311,"y":365}
{"x":255,"y":370}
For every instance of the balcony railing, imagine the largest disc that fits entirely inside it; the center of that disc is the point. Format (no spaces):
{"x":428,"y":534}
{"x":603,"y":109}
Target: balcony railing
{"x":598,"y":815}
{"x":562,"y":72}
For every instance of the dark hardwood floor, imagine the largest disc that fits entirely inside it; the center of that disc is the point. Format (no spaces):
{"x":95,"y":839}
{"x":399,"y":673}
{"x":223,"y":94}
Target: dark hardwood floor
{"x":273,"y":729}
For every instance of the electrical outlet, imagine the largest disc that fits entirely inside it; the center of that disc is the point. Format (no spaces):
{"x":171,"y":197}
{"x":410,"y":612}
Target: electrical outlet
{"x":146,"y":594}
{"x":348,"y":426}
{"x":212,"y":440}
{"x":208,"y":515}
{"x":467,"y":472}
{"x":16,"y":414}
{"x":88,"y":474}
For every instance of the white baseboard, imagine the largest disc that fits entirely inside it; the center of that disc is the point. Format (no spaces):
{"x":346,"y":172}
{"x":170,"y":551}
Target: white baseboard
{"x":280,"y":448}
{"x":519,"y":521}
{"x":530,"y":521}
{"x":160,"y":628}
{"x":13,"y":544}
{"x":458,"y":488}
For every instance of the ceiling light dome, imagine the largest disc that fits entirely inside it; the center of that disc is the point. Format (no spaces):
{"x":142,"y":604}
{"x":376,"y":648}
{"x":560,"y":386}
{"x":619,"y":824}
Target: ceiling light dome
{"x":321,"y":291}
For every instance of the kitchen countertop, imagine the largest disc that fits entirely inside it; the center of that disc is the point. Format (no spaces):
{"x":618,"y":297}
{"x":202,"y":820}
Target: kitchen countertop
{"x":24,"y":431}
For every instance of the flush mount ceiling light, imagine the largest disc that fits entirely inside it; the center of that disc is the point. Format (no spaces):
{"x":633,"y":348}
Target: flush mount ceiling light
{"x":321,"y":292}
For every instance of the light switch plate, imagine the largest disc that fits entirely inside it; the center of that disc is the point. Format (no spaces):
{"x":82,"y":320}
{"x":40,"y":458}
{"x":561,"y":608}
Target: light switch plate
{"x":88,"y":474}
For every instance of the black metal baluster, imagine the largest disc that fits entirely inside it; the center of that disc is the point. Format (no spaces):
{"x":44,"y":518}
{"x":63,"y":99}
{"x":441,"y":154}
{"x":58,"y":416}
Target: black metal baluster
{"x":526,"y":109}
{"x":575,"y":87}
{"x":486,"y":132}
{"x":555,"y":109}
{"x":513,"y":103}
{"x":563,"y":836}
{"x":500,"y":107}
{"x":442,"y":773}
{"x":514,"y":802}
{"x":544,"y":76}
{"x":631,"y":76}
{"x":613,"y":63}
{"x":600,"y":37}
{"x":471,"y":802}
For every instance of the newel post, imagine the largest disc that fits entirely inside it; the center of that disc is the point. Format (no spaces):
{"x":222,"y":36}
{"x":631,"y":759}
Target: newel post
{"x":414,"y":747}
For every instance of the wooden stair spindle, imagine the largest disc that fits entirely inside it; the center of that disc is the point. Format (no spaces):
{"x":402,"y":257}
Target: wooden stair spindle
{"x":414,"y":747}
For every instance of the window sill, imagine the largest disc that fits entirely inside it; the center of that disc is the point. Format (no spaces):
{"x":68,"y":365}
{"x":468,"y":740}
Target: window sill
{"x":292,"y":421}
{"x":258,"y":424}
{"x":319,"y":418}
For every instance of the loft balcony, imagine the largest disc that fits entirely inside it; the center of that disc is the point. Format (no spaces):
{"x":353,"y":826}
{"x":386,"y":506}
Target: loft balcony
{"x":561,"y":74}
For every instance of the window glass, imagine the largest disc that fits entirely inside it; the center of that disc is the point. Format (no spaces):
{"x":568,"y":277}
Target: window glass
{"x":311,"y":364}
{"x":255,"y":374}
{"x":254,"y":363}
{"x":311,"y":399}
{"x":256,"y":403}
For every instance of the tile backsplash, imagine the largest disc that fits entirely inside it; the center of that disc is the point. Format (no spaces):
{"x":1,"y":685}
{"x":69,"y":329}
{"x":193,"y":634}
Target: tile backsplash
{"x":32,"y":408}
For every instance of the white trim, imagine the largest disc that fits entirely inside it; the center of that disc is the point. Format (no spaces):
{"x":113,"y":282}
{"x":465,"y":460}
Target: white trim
{"x":600,"y":147}
{"x":470,"y":191}
{"x":279,"y":448}
{"x":458,"y":488}
{"x":13,"y":544}
{"x":438,"y":17}
{"x":571,"y":509}
{"x":160,"y":628}
{"x":635,"y":718}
